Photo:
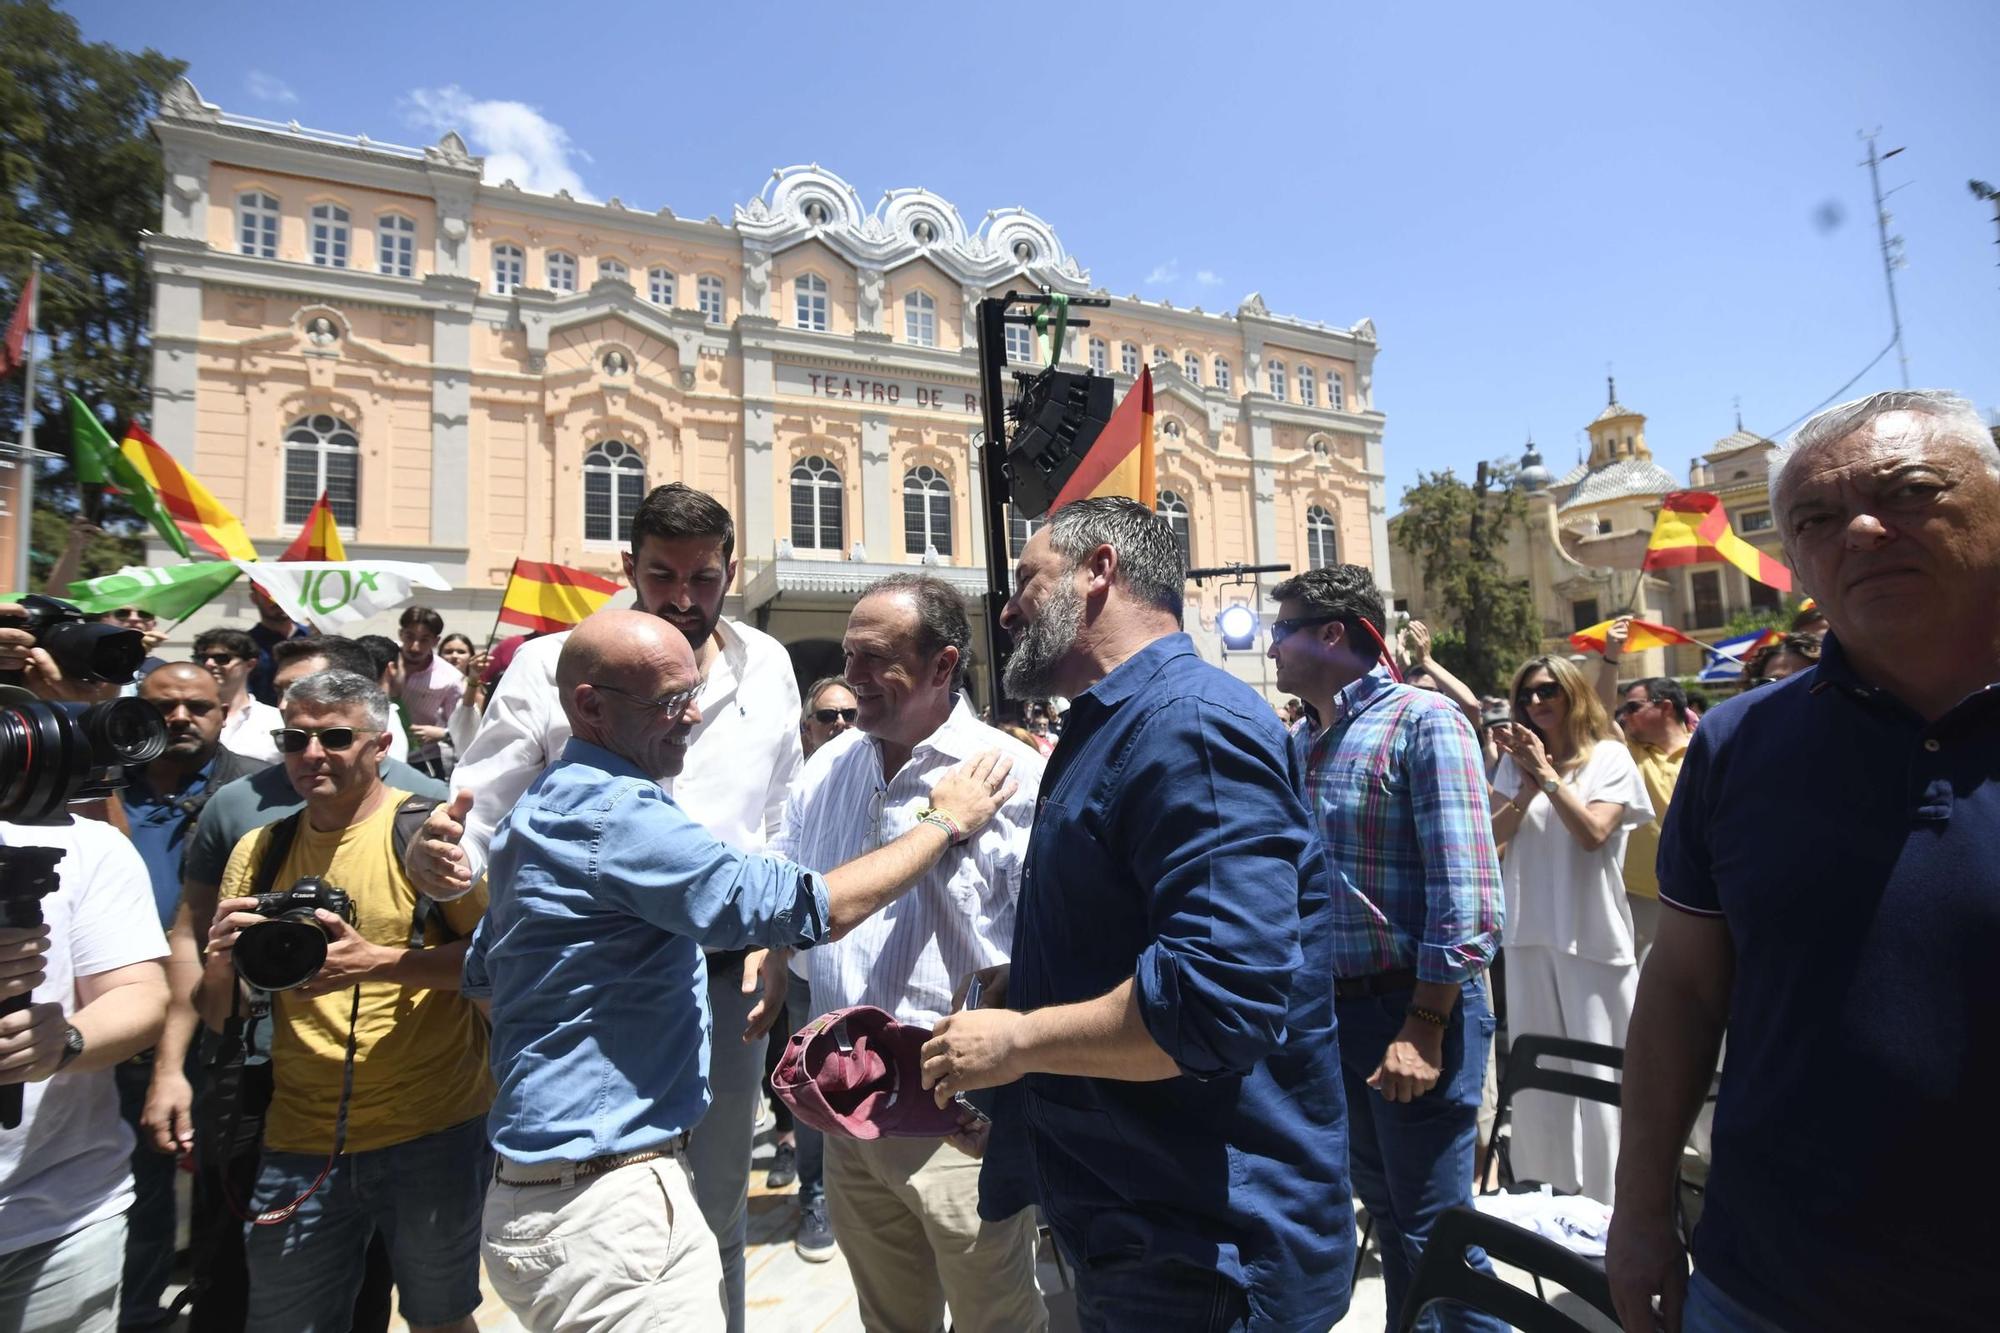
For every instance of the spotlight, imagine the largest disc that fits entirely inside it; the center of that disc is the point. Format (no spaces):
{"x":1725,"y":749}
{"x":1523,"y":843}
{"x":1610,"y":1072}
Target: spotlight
{"x":1238,"y":626}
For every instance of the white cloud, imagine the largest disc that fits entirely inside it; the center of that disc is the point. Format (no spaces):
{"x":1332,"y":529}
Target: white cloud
{"x":269,"y":88}
{"x":1167,"y":272}
{"x":1208,"y":277}
{"x":519,"y":143}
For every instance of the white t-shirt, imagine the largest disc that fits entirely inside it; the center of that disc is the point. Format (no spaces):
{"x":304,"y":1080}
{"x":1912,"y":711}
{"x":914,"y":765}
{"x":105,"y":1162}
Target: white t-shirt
{"x":69,"y":1163}
{"x":1559,"y":895}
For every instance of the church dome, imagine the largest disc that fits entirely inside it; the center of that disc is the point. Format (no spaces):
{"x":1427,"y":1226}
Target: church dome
{"x":1532,"y":476}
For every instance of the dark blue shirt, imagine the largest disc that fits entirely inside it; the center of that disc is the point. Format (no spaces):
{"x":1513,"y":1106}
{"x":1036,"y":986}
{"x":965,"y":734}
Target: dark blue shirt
{"x":263,"y":677}
{"x":1854,"y":852}
{"x":1173,"y":847}
{"x":160,"y":824}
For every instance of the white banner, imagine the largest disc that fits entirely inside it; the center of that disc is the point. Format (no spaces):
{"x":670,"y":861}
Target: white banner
{"x":334,"y":593}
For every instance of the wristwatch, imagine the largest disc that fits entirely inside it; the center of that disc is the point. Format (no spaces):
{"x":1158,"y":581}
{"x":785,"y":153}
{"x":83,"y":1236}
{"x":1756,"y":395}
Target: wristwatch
{"x":72,"y":1047}
{"x":1549,"y":786}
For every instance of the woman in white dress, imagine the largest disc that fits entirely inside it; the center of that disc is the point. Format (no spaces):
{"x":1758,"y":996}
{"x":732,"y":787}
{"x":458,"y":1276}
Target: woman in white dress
{"x":1566,"y":795}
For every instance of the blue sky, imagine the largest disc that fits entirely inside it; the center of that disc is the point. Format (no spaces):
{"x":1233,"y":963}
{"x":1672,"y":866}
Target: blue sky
{"x":1518,"y":195}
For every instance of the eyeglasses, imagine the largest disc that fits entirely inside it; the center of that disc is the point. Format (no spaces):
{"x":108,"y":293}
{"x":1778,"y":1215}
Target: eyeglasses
{"x":132,"y":613}
{"x":1539,"y":694}
{"x":825,"y":716}
{"x":294,"y":740}
{"x":1284,"y":629}
{"x":673,"y":705}
{"x":220,"y":659}
{"x":1631,"y":706}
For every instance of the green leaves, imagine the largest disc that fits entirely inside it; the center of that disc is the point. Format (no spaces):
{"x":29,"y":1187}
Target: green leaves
{"x":1460,"y":535}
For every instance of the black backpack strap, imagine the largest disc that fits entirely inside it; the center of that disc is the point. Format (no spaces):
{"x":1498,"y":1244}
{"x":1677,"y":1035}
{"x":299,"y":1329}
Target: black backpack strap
{"x":276,"y":848}
{"x":410,"y":817}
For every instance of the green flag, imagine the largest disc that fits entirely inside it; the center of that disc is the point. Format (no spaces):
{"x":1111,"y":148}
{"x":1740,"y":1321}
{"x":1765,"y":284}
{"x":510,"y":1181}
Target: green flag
{"x":99,"y":463}
{"x":169,"y":591}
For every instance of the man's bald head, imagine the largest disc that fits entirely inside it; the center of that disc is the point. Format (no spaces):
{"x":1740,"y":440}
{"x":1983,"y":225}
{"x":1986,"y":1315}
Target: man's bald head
{"x":190,"y":703}
{"x":614,"y":668}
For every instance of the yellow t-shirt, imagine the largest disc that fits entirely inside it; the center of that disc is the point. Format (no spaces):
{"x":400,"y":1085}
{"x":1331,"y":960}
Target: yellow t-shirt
{"x":419,"y":1055}
{"x":1659,"y":771}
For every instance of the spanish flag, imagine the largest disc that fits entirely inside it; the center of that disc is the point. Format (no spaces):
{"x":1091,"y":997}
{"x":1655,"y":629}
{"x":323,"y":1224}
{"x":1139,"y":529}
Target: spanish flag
{"x":1120,"y":459}
{"x":552,"y":597}
{"x":319,"y":540}
{"x":1642,"y":635}
{"x":1693,"y":529}
{"x":194,"y":511}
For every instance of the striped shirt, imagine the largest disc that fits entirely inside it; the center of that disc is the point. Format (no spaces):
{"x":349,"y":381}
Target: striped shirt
{"x":909,"y":957}
{"x":1398,"y":787}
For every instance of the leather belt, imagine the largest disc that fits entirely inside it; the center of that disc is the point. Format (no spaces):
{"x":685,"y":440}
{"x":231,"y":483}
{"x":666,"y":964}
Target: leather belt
{"x":1379,"y":983}
{"x":548,"y":1173}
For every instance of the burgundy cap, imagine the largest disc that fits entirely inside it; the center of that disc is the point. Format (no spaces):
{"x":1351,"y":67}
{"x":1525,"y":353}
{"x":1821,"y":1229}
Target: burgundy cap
{"x":857,"y":1073}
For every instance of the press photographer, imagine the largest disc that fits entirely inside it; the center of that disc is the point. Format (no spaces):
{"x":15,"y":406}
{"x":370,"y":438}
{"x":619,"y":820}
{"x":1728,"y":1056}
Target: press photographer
{"x":81,"y":983}
{"x":379,"y":1078}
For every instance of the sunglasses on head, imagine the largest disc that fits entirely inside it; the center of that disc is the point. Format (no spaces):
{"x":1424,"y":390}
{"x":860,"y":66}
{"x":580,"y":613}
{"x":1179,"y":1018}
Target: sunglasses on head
{"x":825,"y":716}
{"x":1285,"y":629}
{"x":220,"y":659}
{"x":294,"y":740}
{"x":1539,"y":694}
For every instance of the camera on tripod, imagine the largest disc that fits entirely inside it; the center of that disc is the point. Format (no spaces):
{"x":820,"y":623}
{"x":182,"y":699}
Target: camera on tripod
{"x":288,"y":947}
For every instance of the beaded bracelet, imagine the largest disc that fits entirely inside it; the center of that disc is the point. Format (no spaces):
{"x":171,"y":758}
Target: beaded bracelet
{"x":1423,"y":1015}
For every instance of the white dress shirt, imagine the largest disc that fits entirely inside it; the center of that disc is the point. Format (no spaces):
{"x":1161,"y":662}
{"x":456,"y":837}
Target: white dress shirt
{"x":247,"y":731}
{"x":740,"y":759}
{"x":909,"y":957}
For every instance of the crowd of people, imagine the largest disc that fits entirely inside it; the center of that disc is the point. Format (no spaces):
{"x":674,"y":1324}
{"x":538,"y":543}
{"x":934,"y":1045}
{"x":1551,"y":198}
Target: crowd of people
{"x":426,"y":960}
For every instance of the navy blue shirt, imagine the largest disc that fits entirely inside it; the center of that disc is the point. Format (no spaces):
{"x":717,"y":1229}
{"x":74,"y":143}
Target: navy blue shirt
{"x":1854,"y":851}
{"x":1172,"y":846}
{"x":263,"y":677}
{"x":160,"y":824}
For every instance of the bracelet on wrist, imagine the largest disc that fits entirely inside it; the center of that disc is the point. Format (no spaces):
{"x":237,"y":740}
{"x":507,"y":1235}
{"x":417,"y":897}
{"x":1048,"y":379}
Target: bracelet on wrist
{"x":954,"y":832}
{"x":1423,"y":1015}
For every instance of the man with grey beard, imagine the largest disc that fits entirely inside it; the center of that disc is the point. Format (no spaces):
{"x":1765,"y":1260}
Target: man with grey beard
{"x":1173,"y":928}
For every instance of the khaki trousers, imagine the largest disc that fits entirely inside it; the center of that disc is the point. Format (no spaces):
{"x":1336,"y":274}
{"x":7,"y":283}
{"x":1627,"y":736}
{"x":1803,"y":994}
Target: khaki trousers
{"x":625,"y":1251}
{"x":906,"y":1214}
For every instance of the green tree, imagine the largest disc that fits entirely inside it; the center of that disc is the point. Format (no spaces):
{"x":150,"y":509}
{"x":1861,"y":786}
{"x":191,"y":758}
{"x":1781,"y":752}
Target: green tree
{"x":1751,"y":618}
{"x":1459,"y":534}
{"x":80,"y":181}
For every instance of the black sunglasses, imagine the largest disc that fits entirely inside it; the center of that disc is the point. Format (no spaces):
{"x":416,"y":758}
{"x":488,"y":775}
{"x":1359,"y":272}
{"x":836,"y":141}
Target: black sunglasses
{"x":1539,"y":694}
{"x":220,"y":659}
{"x":1631,"y":706}
{"x":132,"y":612}
{"x":1284,"y":629}
{"x":294,"y":740}
{"x":825,"y":716}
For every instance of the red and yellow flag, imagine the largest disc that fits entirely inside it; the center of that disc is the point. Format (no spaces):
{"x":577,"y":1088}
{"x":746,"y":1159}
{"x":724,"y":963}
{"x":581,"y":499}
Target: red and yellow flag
{"x":1642,"y":635}
{"x":1693,"y":529}
{"x":319,"y":539}
{"x":1120,"y":459}
{"x":552,"y":597}
{"x":194,"y":511}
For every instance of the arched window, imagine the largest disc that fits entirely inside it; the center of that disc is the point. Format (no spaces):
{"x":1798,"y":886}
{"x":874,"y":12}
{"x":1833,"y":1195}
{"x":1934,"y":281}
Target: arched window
{"x":1020,"y":343}
{"x":1274,"y":375}
{"x":660,"y":286}
{"x":926,"y":511}
{"x":322,"y":454}
{"x":809,"y":292}
{"x":708,"y":296}
{"x":1100,"y":357}
{"x":561,"y":268}
{"x":1174,"y":510}
{"x":396,"y":245}
{"x":1128,"y":359}
{"x":920,"y":319}
{"x":1222,"y":373}
{"x":509,"y":268}
{"x":614,"y":480}
{"x":257,"y":224}
{"x":613,"y":268}
{"x":815,"y":505}
{"x":1322,"y":549}
{"x":1308,"y":387}
{"x":1191,"y":367}
{"x":1336,"y":391}
{"x":329,"y":235}
{"x":1162,"y":355}
{"x":1019,"y":529}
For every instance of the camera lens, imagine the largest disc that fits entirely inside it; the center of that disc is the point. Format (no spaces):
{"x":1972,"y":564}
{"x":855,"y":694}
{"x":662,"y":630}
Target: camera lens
{"x":281,"y":954}
{"x":52,"y":754}
{"x":130,"y":729}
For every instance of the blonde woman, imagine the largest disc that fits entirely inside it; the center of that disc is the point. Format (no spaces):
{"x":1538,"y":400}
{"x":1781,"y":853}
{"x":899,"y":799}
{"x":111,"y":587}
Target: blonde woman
{"x":1566,"y":795}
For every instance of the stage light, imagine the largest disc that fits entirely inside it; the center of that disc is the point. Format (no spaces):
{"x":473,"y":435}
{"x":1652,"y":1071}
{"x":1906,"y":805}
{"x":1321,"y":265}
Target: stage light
{"x":1057,"y":416}
{"x":1238,"y":626}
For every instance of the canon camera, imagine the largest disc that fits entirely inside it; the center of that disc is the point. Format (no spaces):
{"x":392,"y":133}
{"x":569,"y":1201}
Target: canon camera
{"x":288,"y":947}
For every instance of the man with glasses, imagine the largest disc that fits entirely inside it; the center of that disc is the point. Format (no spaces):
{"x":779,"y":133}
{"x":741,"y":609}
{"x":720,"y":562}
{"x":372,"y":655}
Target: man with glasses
{"x":1652,"y":716}
{"x":379,"y":1079}
{"x":146,"y":623}
{"x":1396,"y":783}
{"x":230,"y":656}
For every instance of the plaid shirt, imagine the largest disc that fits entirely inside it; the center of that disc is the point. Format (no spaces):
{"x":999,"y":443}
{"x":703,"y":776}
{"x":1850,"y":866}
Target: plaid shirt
{"x":1399,"y":790}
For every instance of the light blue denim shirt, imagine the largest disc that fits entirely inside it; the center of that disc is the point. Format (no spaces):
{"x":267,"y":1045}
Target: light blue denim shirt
{"x":603,"y":893}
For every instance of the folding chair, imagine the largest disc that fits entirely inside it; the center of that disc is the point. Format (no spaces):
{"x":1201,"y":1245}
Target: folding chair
{"x":1445,"y":1275}
{"x":1526,"y":1072}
